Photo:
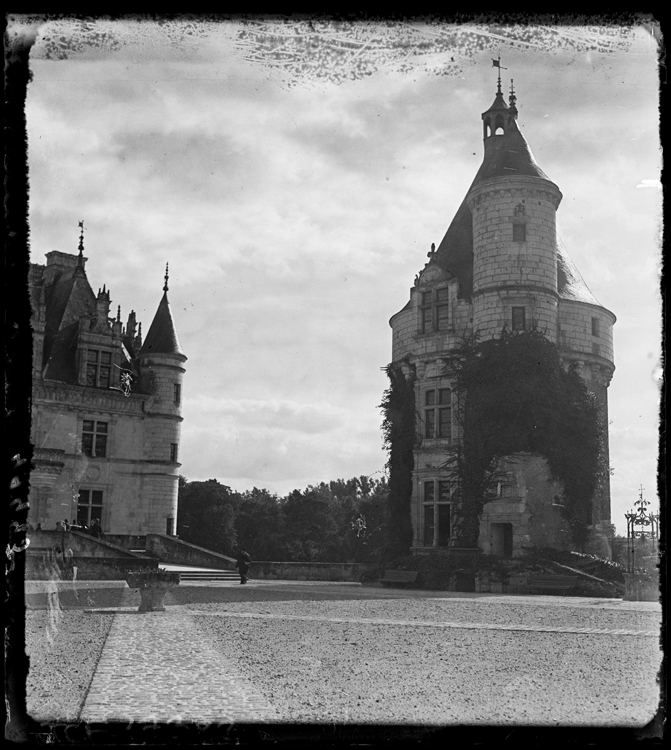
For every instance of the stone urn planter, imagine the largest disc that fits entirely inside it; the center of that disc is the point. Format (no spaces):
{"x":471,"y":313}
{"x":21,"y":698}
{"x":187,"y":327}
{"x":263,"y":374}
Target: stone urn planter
{"x":153,"y":586}
{"x":641,"y":587}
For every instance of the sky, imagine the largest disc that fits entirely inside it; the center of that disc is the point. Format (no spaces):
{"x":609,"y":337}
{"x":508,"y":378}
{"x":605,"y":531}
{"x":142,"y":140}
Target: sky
{"x":294,"y":175}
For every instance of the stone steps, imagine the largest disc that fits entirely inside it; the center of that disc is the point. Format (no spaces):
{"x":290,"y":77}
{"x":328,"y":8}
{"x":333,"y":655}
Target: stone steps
{"x":209,"y":575}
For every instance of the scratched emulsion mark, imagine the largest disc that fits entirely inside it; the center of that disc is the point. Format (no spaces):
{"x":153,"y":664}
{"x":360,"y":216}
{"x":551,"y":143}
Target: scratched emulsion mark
{"x":312,"y":51}
{"x":54,"y":609}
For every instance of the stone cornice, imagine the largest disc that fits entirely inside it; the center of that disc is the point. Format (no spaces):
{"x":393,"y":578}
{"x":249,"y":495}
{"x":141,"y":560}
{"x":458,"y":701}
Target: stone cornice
{"x":566,"y":301}
{"x":513,"y":288}
{"x":515,"y":186}
{"x":77,"y":397}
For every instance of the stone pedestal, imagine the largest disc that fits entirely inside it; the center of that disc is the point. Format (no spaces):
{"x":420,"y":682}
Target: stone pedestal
{"x":641,"y":587}
{"x":151,"y":599}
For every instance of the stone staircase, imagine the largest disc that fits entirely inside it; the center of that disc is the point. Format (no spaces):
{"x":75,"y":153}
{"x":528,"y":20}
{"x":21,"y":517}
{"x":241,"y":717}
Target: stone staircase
{"x":191,"y":562}
{"x":209,"y":575}
{"x":201,"y":574}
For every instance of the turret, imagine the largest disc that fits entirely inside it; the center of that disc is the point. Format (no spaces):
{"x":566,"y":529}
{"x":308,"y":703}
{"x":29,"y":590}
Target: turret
{"x":161,"y":361}
{"x":513,"y":206}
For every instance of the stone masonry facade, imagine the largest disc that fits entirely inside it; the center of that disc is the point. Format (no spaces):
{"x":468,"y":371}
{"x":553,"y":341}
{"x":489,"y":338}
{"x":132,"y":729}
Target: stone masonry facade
{"x":500,"y":265}
{"x":106,"y":407}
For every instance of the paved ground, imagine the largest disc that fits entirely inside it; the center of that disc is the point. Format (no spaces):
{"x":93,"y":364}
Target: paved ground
{"x":311,"y":651}
{"x":152,"y":669}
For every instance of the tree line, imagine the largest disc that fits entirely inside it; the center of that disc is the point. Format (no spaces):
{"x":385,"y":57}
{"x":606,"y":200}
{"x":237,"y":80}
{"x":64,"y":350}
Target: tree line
{"x":337,"y":521}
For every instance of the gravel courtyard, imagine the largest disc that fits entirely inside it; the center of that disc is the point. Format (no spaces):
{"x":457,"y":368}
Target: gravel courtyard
{"x":324,"y":653}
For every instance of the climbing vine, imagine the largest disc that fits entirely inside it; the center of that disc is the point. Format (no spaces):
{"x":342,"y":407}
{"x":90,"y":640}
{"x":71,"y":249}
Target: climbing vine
{"x":515,"y":397}
{"x":398,"y":429}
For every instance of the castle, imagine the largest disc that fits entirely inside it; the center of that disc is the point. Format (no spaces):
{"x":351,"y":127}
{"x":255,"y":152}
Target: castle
{"x":106,"y":408}
{"x":500,"y":265}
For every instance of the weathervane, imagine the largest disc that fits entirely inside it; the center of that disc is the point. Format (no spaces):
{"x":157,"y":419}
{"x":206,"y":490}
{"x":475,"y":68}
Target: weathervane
{"x":81,"y":237}
{"x":497,"y":64}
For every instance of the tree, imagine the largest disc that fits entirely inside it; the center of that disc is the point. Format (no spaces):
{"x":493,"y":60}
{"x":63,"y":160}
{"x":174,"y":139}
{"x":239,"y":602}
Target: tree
{"x":310,"y":527}
{"x":259,"y":524}
{"x":370,"y":541}
{"x":206,"y":515}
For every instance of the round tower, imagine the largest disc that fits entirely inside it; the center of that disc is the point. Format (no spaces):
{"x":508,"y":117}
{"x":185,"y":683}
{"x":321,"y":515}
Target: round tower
{"x":513,"y":206}
{"x":161,"y":362}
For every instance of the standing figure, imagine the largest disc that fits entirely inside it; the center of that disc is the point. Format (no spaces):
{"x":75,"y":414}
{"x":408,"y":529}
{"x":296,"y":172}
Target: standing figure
{"x":242,"y":564}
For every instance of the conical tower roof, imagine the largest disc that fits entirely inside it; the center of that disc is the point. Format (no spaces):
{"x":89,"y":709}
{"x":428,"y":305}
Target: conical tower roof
{"x":570,"y":284}
{"x":162,"y":336}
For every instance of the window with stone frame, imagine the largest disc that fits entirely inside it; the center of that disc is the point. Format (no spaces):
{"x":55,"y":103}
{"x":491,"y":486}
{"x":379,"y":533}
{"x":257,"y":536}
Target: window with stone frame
{"x":438,"y":413}
{"x":98,"y":368}
{"x":519,"y":319}
{"x":434,"y":311}
{"x":595,"y":326}
{"x":178,"y":393}
{"x":507,"y":487}
{"x":173,"y":452}
{"x":519,"y":232}
{"x":94,"y":438}
{"x":436,"y":503}
{"x":89,"y":507}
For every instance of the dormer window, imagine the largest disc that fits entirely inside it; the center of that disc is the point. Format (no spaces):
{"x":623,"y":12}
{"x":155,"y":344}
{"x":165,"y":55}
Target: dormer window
{"x":98,"y":368}
{"x":434,"y":311}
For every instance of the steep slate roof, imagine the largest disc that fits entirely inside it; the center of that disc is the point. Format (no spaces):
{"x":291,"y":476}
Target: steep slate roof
{"x":62,"y":365}
{"x":162,"y":337}
{"x":570,"y":284}
{"x":67,"y":299}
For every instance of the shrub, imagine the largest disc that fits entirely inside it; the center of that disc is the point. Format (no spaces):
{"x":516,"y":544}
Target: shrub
{"x":143,"y":579}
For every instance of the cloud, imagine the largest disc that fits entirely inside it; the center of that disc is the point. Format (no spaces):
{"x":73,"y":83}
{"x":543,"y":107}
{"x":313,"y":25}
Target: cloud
{"x":650,"y":184}
{"x":273,"y":414}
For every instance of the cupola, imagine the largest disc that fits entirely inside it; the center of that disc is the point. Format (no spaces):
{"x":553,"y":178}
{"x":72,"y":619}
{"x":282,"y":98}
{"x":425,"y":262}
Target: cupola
{"x":499,"y":118}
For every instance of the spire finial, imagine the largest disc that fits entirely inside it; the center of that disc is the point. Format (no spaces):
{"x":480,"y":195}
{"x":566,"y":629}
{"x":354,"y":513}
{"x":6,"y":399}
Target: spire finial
{"x":497,"y":64}
{"x":118,"y":314}
{"x":165,"y":286}
{"x":81,"y":242}
{"x":512,"y":99}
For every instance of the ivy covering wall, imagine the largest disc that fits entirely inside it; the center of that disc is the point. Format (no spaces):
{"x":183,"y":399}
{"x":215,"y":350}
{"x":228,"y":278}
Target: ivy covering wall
{"x":398,"y":429}
{"x":514,"y":396}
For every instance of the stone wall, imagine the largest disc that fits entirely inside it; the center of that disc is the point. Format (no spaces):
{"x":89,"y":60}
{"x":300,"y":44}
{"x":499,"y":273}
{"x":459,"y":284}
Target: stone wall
{"x":575,"y":321}
{"x":170,"y":549}
{"x":309,"y":571}
{"x":81,"y":544}
{"x":41,"y":567}
{"x":127,"y":541}
{"x":531,"y":508}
